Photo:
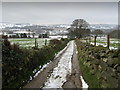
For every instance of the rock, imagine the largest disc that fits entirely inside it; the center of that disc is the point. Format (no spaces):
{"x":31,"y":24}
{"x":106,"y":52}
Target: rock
{"x":103,"y":51}
{"x":119,"y":55}
{"x":68,"y":85}
{"x":103,"y":65}
{"x":115,"y":66}
{"x":96,"y":62}
{"x":92,"y":71}
{"x":103,"y":75}
{"x":99,"y":67}
{"x":111,"y":71}
{"x":96,"y":55}
{"x":107,"y":51}
{"x":110,"y":61}
{"x":112,"y":81}
{"x":114,"y":55}
{"x":103,"y":55}
{"x":104,"y":84}
{"x":105,"y":59}
{"x":90,"y":52}
{"x":118,"y":68}
{"x":116,"y":61}
{"x":88,"y":64}
{"x":118,"y":76}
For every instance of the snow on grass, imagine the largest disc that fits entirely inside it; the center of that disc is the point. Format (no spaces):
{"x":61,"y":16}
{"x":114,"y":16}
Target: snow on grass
{"x":58,"y":76}
{"x":84,"y":84}
{"x":29,"y":42}
{"x":37,"y":72}
{"x":114,"y":43}
{"x":104,"y":45}
{"x":44,"y":66}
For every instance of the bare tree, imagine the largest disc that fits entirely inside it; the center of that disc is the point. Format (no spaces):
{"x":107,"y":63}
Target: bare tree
{"x":79,"y":23}
{"x":79,"y":28}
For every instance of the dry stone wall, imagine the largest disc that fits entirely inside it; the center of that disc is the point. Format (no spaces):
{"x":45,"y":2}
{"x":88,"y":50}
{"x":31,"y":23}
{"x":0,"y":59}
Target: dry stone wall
{"x":104,"y":63}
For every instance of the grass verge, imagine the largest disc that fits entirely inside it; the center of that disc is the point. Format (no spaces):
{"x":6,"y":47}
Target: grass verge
{"x":91,"y":79}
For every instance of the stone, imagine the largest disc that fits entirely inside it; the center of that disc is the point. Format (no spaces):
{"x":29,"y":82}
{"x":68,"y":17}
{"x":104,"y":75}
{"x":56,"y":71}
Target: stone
{"x":110,"y":61}
{"x":103,"y":55}
{"x":104,"y":84}
{"x":96,"y":55}
{"x":103,"y":65}
{"x":114,"y":55}
{"x":99,"y":67}
{"x":105,"y":59}
{"x":103,"y":75}
{"x":107,"y":51}
{"x":111,"y":71}
{"x":118,"y":76}
{"x":115,"y":66}
{"x":88,"y":64}
{"x":118,"y":68}
{"x":116,"y":61}
{"x":112,"y":81}
{"x":96,"y":62}
{"x":89,"y":52}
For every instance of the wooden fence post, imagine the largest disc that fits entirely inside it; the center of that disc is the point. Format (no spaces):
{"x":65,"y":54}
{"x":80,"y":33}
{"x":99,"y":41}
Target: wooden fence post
{"x":108,"y":41}
{"x":89,"y":40}
{"x":95,"y":40}
{"x":45,"y":42}
{"x":35,"y":42}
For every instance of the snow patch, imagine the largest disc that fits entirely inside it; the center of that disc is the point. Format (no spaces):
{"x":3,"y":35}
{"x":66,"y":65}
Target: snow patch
{"x":84,"y":84}
{"x":44,"y":66}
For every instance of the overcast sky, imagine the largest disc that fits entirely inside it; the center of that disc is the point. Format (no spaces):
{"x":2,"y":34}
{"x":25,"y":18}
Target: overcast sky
{"x":60,"y":13}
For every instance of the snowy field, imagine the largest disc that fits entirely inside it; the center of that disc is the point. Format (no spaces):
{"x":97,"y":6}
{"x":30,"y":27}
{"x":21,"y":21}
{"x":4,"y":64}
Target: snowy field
{"x":29,"y":42}
{"x":114,"y":43}
{"x":64,"y":67}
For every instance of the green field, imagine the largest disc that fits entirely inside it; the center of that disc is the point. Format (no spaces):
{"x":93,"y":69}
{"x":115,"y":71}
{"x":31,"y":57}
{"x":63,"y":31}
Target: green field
{"x":29,"y":42}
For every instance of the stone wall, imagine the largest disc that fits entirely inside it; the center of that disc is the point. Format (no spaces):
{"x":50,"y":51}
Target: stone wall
{"x":104,"y":63}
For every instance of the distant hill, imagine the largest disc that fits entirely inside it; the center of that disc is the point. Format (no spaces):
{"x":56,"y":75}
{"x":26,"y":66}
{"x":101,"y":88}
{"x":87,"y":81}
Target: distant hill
{"x":104,"y":27}
{"x":35,"y":27}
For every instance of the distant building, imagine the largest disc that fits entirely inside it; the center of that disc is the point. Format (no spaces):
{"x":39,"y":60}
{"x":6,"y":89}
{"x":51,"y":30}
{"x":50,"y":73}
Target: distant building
{"x":28,"y":33}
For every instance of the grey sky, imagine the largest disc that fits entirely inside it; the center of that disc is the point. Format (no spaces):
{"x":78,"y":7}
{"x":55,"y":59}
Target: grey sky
{"x":60,"y":13}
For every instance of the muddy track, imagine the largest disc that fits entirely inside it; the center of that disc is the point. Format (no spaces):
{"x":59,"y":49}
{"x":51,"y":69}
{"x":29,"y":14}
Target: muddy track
{"x":73,"y":80}
{"x":39,"y":80}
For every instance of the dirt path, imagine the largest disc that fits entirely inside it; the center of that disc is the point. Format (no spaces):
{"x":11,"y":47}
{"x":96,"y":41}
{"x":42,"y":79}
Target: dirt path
{"x":73,"y":80}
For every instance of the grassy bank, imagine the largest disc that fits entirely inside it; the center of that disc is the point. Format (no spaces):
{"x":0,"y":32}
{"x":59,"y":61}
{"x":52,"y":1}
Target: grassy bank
{"x":91,"y":79}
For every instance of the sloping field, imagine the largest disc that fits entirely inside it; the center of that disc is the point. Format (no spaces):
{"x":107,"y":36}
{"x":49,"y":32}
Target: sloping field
{"x":29,"y":42}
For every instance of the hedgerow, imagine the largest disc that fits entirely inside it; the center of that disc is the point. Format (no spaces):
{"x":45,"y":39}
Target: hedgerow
{"x":18,"y":63}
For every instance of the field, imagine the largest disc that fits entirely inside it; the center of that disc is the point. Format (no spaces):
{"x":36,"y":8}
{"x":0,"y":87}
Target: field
{"x":29,"y":42}
{"x":114,"y":43}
